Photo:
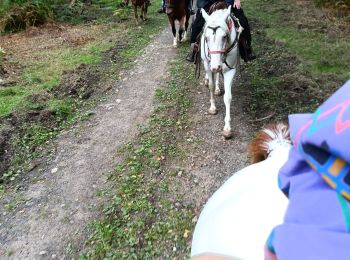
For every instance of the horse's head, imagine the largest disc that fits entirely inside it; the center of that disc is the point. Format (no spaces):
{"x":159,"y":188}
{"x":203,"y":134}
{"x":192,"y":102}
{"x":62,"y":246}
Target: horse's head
{"x":216,"y":37}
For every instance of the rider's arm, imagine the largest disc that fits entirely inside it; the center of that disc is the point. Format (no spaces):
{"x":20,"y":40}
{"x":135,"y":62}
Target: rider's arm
{"x":234,"y":3}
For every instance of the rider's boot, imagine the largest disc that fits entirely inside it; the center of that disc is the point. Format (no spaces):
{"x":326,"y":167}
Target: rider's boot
{"x":190,"y":56}
{"x":246,"y":50}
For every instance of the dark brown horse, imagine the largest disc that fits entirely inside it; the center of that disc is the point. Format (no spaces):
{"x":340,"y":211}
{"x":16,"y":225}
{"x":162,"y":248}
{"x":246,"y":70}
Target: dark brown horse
{"x":177,"y":10}
{"x":143,"y":4}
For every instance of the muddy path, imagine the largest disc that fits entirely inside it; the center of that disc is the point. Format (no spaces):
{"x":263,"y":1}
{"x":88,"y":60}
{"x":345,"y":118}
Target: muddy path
{"x":58,"y":199}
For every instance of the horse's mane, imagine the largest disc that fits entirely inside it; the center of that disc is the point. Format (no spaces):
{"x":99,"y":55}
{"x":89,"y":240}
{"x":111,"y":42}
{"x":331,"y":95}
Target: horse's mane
{"x":267,"y":140}
{"x":216,"y":19}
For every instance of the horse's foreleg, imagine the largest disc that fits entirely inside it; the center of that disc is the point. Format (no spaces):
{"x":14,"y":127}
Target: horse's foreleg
{"x":228,"y":80}
{"x":217,"y":82}
{"x":145,"y":12}
{"x":136,"y":16}
{"x":142,"y":15}
{"x":187,"y":18}
{"x":210,"y":77}
{"x":182,"y":35}
{"x":173,"y":29}
{"x":206,"y":80}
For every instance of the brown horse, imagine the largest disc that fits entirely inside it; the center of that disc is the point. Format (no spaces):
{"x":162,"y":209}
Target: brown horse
{"x":177,"y":10}
{"x":143,"y":4}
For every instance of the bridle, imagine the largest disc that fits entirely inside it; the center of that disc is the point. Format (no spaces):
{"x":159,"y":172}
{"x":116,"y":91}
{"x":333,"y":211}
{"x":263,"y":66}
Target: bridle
{"x":225,"y":51}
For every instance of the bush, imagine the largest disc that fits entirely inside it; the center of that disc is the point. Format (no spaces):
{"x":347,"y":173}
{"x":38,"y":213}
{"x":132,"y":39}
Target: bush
{"x":342,"y":7}
{"x":18,"y":15}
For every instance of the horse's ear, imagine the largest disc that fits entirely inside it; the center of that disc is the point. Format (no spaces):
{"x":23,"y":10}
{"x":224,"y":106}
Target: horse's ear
{"x":228,"y":11}
{"x":205,"y":15}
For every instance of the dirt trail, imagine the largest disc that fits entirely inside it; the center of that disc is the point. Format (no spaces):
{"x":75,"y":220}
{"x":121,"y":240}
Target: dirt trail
{"x":215,"y":159}
{"x":59,"y":199}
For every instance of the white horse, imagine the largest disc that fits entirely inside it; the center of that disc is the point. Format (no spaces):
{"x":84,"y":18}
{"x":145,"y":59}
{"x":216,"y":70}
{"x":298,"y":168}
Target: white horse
{"x":237,"y":220}
{"x":219,"y":53}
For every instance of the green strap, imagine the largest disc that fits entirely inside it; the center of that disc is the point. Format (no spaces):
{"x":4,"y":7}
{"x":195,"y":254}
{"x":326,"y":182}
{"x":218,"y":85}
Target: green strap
{"x":346,"y":211}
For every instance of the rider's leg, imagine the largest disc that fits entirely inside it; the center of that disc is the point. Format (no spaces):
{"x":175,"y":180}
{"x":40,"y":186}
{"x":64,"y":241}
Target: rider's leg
{"x":246,"y":34}
{"x":197,"y":27}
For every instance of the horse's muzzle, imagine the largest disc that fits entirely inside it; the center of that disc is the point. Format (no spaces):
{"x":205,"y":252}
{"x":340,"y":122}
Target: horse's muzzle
{"x":217,"y":69}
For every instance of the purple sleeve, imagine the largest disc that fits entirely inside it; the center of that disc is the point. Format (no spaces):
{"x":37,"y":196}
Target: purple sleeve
{"x":316,"y":179}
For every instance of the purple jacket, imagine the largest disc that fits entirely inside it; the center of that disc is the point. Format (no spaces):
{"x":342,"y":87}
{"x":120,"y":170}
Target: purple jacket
{"x":316,"y":179}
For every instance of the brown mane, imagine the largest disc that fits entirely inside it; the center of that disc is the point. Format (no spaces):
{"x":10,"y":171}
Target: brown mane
{"x":217,"y":6}
{"x":258,"y":148}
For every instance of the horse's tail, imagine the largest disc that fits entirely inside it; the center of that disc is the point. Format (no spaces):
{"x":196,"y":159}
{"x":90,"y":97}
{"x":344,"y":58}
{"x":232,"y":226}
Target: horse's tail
{"x":267,"y":140}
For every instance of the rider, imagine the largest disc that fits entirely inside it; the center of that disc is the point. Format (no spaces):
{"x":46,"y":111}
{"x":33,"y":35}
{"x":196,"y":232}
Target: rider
{"x":199,"y":23}
{"x":163,"y":6}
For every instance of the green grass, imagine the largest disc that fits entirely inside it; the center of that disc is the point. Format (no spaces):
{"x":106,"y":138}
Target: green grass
{"x":44,"y":69}
{"x":42,"y":74}
{"x":143,"y":219}
{"x":320,"y":51}
{"x":13,"y":98}
{"x":300,"y":61}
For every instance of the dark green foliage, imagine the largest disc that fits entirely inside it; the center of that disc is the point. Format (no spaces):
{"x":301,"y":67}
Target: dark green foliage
{"x":17,"y":15}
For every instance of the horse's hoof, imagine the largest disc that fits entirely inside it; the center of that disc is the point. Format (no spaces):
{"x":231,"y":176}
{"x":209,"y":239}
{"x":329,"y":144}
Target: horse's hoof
{"x":227,"y":134}
{"x":217,"y":92}
{"x":183,"y":39}
{"x":213,"y":111}
{"x":206,"y":83}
